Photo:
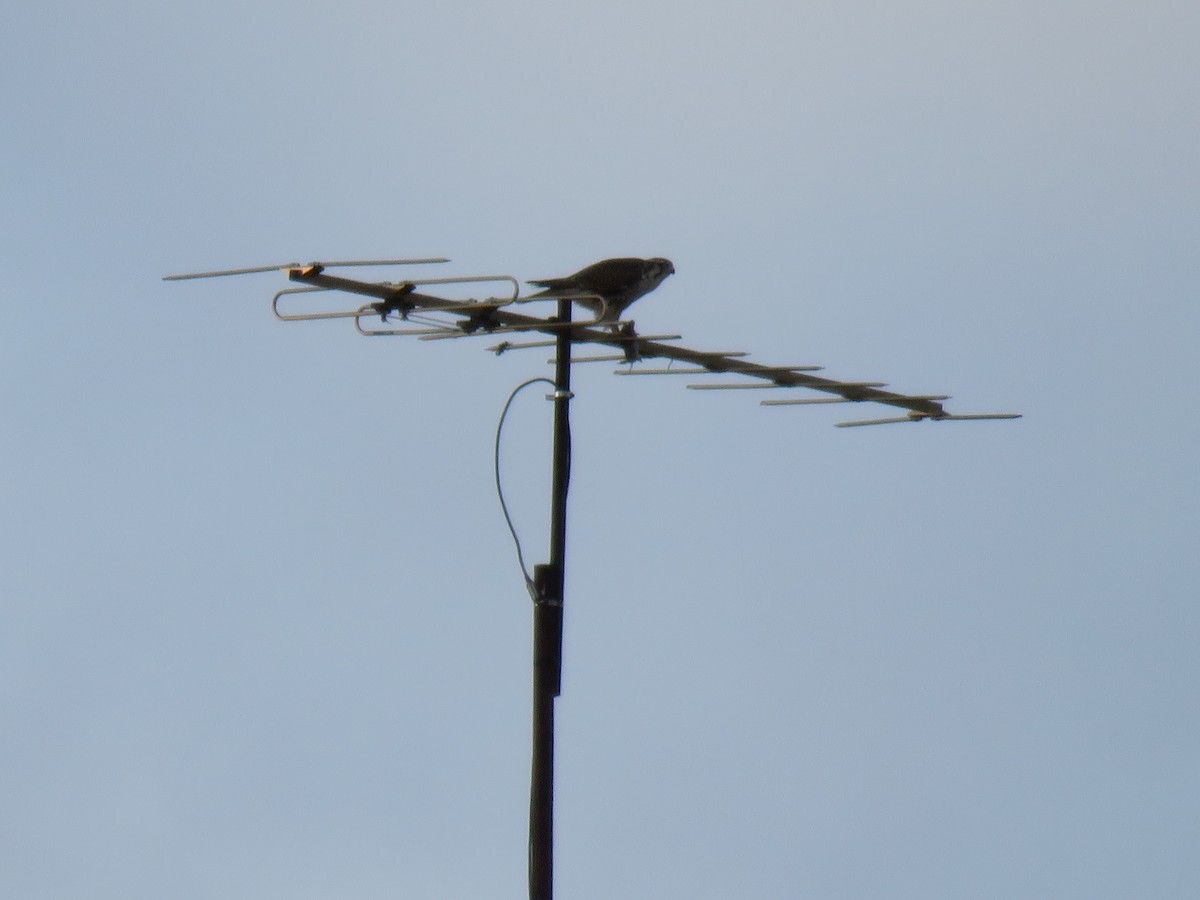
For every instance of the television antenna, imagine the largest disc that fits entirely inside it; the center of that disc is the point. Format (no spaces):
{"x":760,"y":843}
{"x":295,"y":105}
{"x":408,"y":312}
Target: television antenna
{"x":398,"y":308}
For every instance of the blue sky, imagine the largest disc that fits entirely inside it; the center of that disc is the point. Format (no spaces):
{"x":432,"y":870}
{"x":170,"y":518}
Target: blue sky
{"x":262,"y":633}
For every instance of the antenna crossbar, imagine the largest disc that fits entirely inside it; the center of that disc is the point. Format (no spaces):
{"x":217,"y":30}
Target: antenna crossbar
{"x":497,"y":317}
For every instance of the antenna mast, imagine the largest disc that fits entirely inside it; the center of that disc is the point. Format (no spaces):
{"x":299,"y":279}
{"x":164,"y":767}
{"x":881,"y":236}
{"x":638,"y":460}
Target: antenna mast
{"x":548,"y":583}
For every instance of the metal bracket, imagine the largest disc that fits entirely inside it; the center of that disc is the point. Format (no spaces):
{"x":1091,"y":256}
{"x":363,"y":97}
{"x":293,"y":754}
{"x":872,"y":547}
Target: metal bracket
{"x":544,"y":581}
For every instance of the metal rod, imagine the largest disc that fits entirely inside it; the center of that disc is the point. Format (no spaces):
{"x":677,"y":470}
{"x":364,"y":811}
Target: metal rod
{"x":741,"y":386}
{"x":547,"y":629}
{"x":312,"y":266}
{"x":679,"y":371}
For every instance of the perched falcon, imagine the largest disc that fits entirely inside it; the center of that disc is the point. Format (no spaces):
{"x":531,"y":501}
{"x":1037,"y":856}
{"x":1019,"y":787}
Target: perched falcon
{"x":609,"y":286}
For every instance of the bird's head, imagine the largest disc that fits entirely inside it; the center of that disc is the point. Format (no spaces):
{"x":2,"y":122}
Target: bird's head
{"x":660,"y":268}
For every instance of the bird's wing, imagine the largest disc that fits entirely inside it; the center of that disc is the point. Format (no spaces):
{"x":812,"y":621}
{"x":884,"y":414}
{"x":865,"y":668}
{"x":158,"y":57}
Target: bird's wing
{"x":606,"y":275}
{"x":611,"y":276}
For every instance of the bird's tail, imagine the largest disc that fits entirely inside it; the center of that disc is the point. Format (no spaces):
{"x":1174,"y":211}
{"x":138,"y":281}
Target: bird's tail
{"x":561,"y":287}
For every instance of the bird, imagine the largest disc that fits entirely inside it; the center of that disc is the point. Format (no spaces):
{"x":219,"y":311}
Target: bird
{"x":609,"y":286}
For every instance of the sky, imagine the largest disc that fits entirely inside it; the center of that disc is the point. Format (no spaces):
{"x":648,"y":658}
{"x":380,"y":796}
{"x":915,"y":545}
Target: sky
{"x":262,"y":629}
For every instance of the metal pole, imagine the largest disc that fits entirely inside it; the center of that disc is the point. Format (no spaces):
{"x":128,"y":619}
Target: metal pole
{"x":547,"y":630}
